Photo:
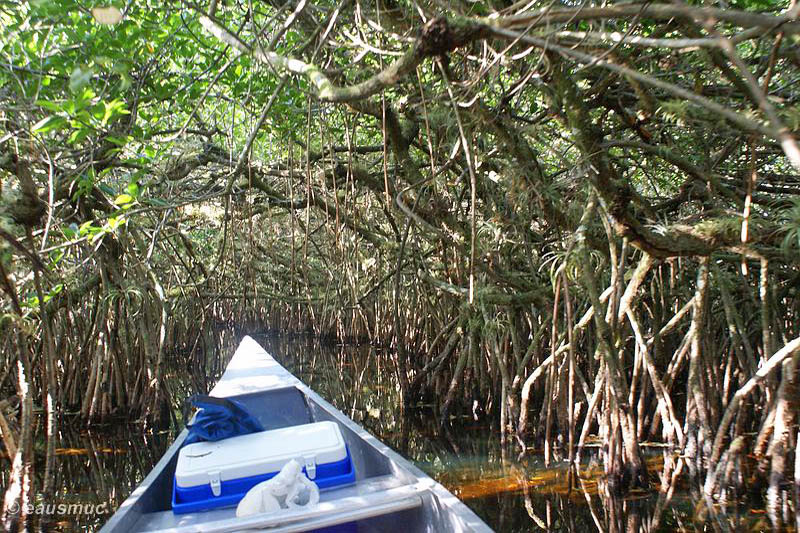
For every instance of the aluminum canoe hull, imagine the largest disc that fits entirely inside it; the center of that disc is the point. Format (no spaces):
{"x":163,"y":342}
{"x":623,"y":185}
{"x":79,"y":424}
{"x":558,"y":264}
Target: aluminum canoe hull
{"x":390,"y":493}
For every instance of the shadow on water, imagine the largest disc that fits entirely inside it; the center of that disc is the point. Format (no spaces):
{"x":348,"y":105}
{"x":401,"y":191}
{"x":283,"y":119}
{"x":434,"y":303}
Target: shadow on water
{"x":103,"y":467}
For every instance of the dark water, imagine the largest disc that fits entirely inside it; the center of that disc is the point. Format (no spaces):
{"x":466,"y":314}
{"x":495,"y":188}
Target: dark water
{"x":103,"y":467}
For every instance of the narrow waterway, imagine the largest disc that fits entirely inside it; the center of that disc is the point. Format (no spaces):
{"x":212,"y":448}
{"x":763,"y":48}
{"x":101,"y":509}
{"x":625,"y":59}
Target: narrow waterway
{"x":511,"y":494}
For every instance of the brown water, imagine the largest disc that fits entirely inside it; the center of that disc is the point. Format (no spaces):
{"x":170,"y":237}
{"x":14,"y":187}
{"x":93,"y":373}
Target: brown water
{"x":103,"y":467}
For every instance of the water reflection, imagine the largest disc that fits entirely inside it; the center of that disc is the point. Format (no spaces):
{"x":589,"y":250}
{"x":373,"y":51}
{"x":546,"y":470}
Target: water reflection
{"x":510,"y":495}
{"x":469,"y":460}
{"x":94,"y":472}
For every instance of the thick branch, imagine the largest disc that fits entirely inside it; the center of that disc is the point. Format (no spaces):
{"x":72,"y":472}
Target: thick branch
{"x":437,"y":37}
{"x":744,"y":19}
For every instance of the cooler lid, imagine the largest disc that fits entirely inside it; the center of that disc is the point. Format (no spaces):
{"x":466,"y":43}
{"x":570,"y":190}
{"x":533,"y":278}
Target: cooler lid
{"x":259,"y":453}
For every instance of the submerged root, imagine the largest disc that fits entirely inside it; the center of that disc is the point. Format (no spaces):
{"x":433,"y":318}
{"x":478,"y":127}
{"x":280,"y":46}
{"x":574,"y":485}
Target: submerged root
{"x":727,"y":479}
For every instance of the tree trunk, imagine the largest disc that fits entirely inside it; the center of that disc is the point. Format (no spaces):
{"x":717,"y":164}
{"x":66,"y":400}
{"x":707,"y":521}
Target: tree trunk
{"x":778,"y":494}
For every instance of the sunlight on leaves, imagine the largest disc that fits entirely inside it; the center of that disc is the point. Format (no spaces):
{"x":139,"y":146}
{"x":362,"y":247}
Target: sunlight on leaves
{"x":107,"y":15}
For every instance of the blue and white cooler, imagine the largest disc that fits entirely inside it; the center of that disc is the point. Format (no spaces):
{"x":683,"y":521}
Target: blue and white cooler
{"x":218,"y":474}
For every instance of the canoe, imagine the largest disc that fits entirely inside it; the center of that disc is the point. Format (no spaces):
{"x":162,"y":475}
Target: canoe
{"x":390,"y":493}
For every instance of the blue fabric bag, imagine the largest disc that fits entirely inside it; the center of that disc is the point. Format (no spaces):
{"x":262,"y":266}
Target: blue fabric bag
{"x":218,"y":419}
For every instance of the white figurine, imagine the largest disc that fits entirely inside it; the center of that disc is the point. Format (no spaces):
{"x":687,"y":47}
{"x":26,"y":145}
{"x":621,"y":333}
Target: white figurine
{"x":286,"y":490}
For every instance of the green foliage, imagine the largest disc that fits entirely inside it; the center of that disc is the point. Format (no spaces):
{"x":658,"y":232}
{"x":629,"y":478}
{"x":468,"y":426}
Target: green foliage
{"x":132,"y":131}
{"x":790,"y":222}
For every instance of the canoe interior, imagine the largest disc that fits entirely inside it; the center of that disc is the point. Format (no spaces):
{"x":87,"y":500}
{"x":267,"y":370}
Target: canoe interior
{"x":376,"y":471}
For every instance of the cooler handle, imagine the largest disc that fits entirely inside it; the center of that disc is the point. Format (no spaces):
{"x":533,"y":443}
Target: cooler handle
{"x":311,"y":466}
{"x":215,"y":482}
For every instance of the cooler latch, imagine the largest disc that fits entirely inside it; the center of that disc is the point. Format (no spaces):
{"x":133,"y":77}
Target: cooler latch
{"x":311,"y":466}
{"x":214,"y":481}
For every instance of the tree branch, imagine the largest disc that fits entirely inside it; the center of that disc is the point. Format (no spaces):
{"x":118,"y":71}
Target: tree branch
{"x":437,"y":37}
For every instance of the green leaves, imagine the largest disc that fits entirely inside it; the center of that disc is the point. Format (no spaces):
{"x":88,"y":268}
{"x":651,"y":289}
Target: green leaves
{"x":159,"y":202}
{"x":133,"y":189}
{"x":48,"y":124}
{"x":82,"y":115}
{"x":129,"y":198}
{"x":112,"y":109}
{"x":71,"y":231}
{"x":125,"y":201}
{"x":790,"y":224}
{"x":95,"y":232}
{"x":80,"y":78}
{"x":83,"y":185}
{"x":31,"y":303}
